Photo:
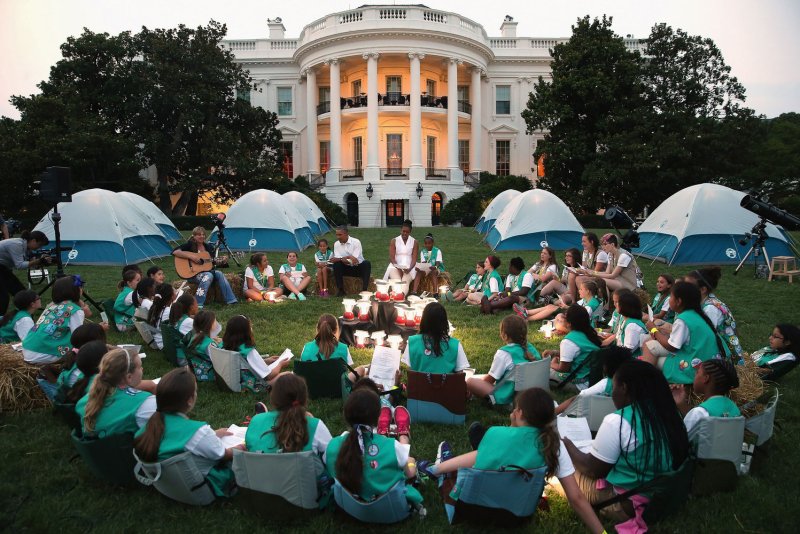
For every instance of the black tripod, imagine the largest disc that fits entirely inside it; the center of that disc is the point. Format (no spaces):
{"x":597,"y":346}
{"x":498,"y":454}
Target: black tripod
{"x":759,"y":236}
{"x":222,"y":243}
{"x":56,"y":217}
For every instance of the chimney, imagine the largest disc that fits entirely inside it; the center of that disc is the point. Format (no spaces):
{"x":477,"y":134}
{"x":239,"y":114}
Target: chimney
{"x":508,"y":28}
{"x":276,"y":28}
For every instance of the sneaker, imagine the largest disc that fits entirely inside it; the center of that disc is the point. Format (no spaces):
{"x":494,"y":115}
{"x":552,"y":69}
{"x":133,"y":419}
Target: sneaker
{"x":520,"y":310}
{"x":444,"y":452}
{"x":475,"y":433}
{"x":292,"y":296}
{"x":261,"y":408}
{"x":402,"y":420}
{"x":424,"y":468}
{"x":384,"y":420}
{"x":301,"y":296}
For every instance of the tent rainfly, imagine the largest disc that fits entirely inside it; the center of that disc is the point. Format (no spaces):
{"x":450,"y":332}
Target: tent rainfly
{"x":703,"y":224}
{"x":310,"y":211}
{"x":533,"y":220}
{"x":155,"y":215}
{"x":493,"y":210}
{"x":103,"y":228}
{"x":262,"y":220}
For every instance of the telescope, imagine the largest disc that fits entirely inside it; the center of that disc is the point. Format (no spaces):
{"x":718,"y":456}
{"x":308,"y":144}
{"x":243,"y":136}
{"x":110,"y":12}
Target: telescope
{"x":617,"y":217}
{"x":768,"y":211}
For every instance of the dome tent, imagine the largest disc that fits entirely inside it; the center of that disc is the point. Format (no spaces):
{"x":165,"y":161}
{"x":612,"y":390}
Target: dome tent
{"x":702,"y":224}
{"x":103,"y":228}
{"x":495,"y":207}
{"x":155,"y":215}
{"x":262,"y":220}
{"x":308,"y":208}
{"x":533,"y":220}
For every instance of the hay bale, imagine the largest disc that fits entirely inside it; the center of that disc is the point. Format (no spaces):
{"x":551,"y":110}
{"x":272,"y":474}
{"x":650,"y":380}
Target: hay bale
{"x":748,"y":396}
{"x":352,"y":285}
{"x":426,"y":283}
{"x":644,"y":297}
{"x":19,"y":390}
{"x":214,"y":294}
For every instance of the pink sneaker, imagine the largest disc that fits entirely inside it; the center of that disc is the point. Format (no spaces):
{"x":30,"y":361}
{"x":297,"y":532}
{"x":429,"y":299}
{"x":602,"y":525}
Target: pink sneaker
{"x":521,"y":311}
{"x":384,"y":420}
{"x":402,"y":420}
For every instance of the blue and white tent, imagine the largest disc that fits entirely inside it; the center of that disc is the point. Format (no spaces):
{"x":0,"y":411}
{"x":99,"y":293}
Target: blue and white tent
{"x":103,"y":228}
{"x":263,"y":220}
{"x":493,"y":210}
{"x":533,"y":220}
{"x":155,"y":215}
{"x":308,"y":208}
{"x":703,"y":224}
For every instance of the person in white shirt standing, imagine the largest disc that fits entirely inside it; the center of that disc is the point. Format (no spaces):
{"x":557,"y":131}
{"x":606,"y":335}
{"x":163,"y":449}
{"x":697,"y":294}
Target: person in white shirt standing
{"x":403,"y":253}
{"x":348,"y":260}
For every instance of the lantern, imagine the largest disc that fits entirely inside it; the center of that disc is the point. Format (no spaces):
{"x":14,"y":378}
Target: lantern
{"x":377,"y":337}
{"x":361,"y":338}
{"x":363,"y":309}
{"x":394,"y":341}
{"x":382,"y":288}
{"x":349,"y":304}
{"x":271,"y":296}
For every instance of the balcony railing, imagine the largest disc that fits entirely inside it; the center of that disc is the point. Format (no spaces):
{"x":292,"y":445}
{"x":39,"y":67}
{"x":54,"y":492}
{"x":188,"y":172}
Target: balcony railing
{"x":358,"y":101}
{"x":394,"y":98}
{"x":464,"y":107}
{"x":394,"y":174}
{"x":352,"y":175}
{"x":437,"y":174}
{"x":323,"y":107}
{"x":430,"y":101}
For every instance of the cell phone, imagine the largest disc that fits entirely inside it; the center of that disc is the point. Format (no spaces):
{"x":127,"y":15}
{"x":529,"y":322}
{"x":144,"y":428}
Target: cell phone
{"x":104,"y":316}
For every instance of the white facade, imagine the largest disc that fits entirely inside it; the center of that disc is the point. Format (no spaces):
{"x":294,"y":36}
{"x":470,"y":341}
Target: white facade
{"x":393,"y":106}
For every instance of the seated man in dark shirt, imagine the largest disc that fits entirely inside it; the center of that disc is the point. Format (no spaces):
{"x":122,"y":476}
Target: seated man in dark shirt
{"x":189,"y":251}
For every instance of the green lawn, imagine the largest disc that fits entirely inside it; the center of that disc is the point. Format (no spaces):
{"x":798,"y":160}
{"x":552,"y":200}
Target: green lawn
{"x":42,"y":488}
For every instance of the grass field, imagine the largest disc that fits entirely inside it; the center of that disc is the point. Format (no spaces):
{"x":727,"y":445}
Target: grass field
{"x":43,"y":489}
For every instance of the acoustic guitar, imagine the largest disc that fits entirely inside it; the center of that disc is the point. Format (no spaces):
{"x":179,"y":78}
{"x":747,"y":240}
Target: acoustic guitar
{"x":187,"y":268}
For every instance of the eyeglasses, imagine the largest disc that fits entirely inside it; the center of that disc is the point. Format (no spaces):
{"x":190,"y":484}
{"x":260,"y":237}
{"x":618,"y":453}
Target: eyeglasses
{"x":779,"y":338}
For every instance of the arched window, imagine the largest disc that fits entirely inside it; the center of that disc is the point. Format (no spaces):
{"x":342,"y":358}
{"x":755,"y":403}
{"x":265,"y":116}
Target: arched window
{"x":437,"y":201}
{"x":352,"y":209}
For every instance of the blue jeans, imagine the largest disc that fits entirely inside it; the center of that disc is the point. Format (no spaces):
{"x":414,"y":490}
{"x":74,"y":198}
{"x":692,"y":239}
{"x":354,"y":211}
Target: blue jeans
{"x":49,"y":388}
{"x":204,"y":281}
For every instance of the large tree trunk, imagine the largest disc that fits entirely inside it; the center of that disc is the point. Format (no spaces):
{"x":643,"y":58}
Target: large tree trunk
{"x":164,"y":200}
{"x":182,"y":203}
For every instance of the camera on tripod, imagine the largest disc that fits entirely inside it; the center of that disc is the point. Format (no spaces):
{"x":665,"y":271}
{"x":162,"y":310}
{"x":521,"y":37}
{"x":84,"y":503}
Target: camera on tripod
{"x":47,"y":256}
{"x":617,"y":217}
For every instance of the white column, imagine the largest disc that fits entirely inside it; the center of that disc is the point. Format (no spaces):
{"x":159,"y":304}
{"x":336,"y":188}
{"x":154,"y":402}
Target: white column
{"x":452,"y":113}
{"x":312,"y":142}
{"x":372,"y":170}
{"x":415,"y":170}
{"x":475,"y":162}
{"x":336,"y":118}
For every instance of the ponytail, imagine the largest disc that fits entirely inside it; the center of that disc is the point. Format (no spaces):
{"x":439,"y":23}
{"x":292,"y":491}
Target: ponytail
{"x":289,"y":396}
{"x":202,"y":325}
{"x":689,"y":295}
{"x":180,"y":308}
{"x":327,"y":328}
{"x":578,"y":319}
{"x":173,"y":394}
{"x":114,"y":367}
{"x":537,"y":409}
{"x":161,"y":301}
{"x":361,"y":411}
{"x":127,"y":277}
{"x":515,"y":329}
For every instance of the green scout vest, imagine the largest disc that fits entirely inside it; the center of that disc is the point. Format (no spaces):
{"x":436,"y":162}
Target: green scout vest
{"x":7,"y":332}
{"x":423,"y":360}
{"x":516,"y":281}
{"x":721,"y":406}
{"x":593,"y":304}
{"x":200,"y":351}
{"x":64,"y":377}
{"x":118,"y":414}
{"x":319,"y":257}
{"x":487,"y":287}
{"x":658,"y":303}
{"x":702,"y":346}
{"x":180,"y":347}
{"x":586,"y":348}
{"x":474,"y":281}
{"x":764,"y":357}
{"x":51,"y":333}
{"x":260,"y":438}
{"x":481,"y":281}
{"x":509,"y":445}
{"x":123,"y":314}
{"x":430,"y":256}
{"x":288,"y":270}
{"x":621,"y":336}
{"x":504,"y":394}
{"x":630,"y":471}
{"x":311,"y":350}
{"x":381,"y":471}
{"x":178,"y":430}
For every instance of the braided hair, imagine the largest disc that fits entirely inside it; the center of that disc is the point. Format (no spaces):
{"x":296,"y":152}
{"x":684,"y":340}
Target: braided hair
{"x":722,"y":374}
{"x":689,"y":295}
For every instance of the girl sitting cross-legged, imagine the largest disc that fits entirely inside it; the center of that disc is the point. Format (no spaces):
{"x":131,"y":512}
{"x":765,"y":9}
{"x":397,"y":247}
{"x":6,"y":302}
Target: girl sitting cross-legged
{"x":239,"y":337}
{"x":170,"y":432}
{"x":530,"y":442}
{"x":199,"y":342}
{"x":259,"y":278}
{"x":294,"y":278}
{"x":474,"y":284}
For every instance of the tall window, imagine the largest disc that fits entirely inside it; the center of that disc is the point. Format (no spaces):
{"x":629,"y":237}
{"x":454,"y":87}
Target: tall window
{"x":430,"y":87}
{"x":431,"y":160}
{"x":394,"y":84}
{"x":502,"y":100}
{"x":394,"y":153}
{"x":358,"y":160}
{"x":324,"y":105}
{"x":287,"y":151}
{"x":284,"y":101}
{"x":356,"y":85}
{"x":463,"y":93}
{"x":324,"y":156}
{"x":243,"y":94}
{"x":463,"y":155}
{"x":503,"y":158}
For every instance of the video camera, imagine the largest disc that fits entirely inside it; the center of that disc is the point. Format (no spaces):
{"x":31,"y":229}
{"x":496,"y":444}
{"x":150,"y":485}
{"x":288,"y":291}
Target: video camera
{"x":46,"y":256}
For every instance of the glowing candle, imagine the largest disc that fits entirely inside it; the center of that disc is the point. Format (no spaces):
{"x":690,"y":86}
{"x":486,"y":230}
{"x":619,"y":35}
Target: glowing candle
{"x":365,"y":295}
{"x":349,"y":304}
{"x":382,"y":290}
{"x":400,"y":314}
{"x":271,"y":296}
{"x":377,"y":337}
{"x":547,"y":327}
{"x":361,"y":338}
{"x":411,"y":317}
{"x":394,"y":341}
{"x":443,"y":290}
{"x":363,"y":309}
{"x":398,"y":290}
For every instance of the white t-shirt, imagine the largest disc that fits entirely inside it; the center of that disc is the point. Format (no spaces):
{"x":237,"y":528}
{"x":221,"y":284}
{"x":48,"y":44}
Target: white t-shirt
{"x":714,"y":314}
{"x":322,"y":436}
{"x":601,"y":257}
{"x":461,"y":358}
{"x":568,"y":350}
{"x":693,"y":417}
{"x":146,"y":410}
{"x":679,"y":335}
{"x":597,"y":389}
{"x":186,"y":326}
{"x":614,"y":435}
{"x":664,"y":306}
{"x":351,"y":247}
{"x":157,"y":339}
{"x":75,"y":320}
{"x":23,"y":326}
{"x":501,"y":364}
{"x":296,"y":276}
{"x":624,"y":259}
{"x":565,"y":467}
{"x":145,"y":304}
{"x":494,"y":286}
{"x":633,"y":336}
{"x":527,"y":281}
{"x":250,"y":273}
{"x":536,"y":267}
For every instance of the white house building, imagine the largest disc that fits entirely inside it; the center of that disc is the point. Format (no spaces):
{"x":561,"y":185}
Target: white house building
{"x":393,"y":110}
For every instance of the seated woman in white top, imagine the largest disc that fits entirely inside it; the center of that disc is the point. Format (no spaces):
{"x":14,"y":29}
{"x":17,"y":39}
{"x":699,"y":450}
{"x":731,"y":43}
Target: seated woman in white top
{"x":620,"y":271}
{"x":403,"y":254}
{"x":593,"y":257}
{"x":259,"y":278}
{"x":546,"y":269}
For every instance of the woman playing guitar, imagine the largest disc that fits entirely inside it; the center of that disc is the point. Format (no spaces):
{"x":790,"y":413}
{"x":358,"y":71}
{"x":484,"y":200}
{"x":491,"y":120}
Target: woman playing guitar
{"x":195,"y":256}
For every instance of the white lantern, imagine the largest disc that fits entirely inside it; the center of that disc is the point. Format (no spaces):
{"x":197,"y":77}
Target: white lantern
{"x":365,"y":295}
{"x":349,"y":304}
{"x":411,"y":317}
{"x":443,"y":290}
{"x":394,"y":341}
{"x":399,"y":289}
{"x":361,"y":338}
{"x":378,"y":337}
{"x":382,"y":288}
{"x":271,"y":296}
{"x":363,"y":309}
{"x":419,"y":308}
{"x":547,"y":328}
{"x":400,"y":314}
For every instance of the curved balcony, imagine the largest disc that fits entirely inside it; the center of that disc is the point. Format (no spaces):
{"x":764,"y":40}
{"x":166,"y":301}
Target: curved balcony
{"x":394,"y":98}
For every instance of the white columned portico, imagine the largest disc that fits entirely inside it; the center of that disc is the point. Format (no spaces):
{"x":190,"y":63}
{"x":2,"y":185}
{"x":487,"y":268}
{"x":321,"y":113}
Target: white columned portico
{"x":415,"y":169}
{"x":452,"y":113}
{"x":372,"y":170}
{"x":336,"y":120}
{"x":312,"y":143}
{"x":475,"y":162}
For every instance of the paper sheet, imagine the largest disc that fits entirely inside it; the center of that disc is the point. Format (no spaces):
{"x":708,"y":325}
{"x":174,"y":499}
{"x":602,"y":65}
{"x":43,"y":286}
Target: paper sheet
{"x":577,"y":430}
{"x":650,"y":312}
{"x":384,"y":366}
{"x":156,"y":380}
{"x":17,"y":347}
{"x":423,"y":267}
{"x":236,"y":438}
{"x":285,"y":355}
